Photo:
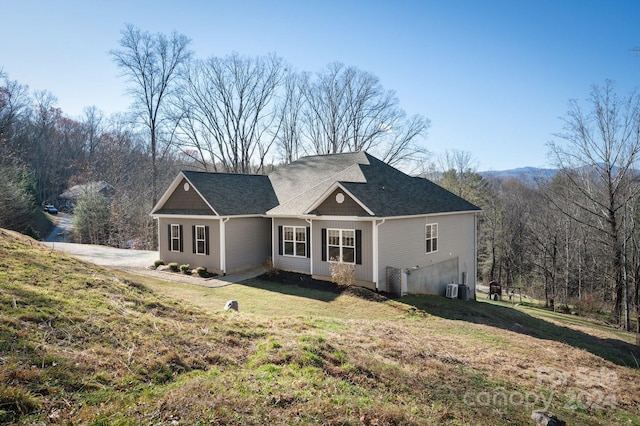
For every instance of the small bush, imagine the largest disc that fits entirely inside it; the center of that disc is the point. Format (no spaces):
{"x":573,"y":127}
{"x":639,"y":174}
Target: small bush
{"x":29,"y":231}
{"x":173,"y":267}
{"x":343,"y":274}
{"x":158,"y":262}
{"x":270,"y":268}
{"x":201,"y":271}
{"x":184,"y":268}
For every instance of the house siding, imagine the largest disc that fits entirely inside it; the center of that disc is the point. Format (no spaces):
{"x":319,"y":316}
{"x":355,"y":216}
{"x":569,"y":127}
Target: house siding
{"x":187,"y":256}
{"x":247,"y":242}
{"x":401,"y":244}
{"x":347,"y":208}
{"x":289,"y":263}
{"x":364,"y":271}
{"x":181,"y":199}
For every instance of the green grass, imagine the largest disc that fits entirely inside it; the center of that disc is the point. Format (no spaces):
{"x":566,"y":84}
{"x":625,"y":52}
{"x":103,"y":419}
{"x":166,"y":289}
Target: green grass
{"x":83,"y":345}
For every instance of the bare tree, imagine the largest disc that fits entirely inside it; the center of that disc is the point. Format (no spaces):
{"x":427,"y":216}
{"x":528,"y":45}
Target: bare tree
{"x":459,"y":175}
{"x":14,"y":105}
{"x":92,"y":123}
{"x":229,"y":111}
{"x":289,"y":135}
{"x":348,"y":110}
{"x":598,"y":152}
{"x":152,"y":63}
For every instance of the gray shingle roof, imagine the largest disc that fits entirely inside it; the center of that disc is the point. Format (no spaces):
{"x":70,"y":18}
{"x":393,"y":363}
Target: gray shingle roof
{"x":385,"y":190}
{"x":234,"y":194}
{"x":294,"y":188}
{"x":389,"y":192}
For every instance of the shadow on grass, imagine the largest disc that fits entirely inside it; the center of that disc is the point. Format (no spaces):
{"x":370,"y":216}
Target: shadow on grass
{"x":507,"y":318}
{"x":295,"y":284}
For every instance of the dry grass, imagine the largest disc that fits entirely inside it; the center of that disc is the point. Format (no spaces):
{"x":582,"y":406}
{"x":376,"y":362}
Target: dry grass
{"x":82,"y":345}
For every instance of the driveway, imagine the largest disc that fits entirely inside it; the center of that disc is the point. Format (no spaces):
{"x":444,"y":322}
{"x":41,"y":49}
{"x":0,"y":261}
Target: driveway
{"x":100,"y":255}
{"x":62,"y":231}
{"x":133,"y":261}
{"x":108,"y":256}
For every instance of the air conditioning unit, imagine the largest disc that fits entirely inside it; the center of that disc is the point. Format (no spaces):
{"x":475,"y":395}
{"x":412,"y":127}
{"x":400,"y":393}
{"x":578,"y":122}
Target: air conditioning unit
{"x":452,"y":291}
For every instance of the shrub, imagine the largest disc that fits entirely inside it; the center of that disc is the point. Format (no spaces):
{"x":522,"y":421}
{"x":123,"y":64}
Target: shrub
{"x":173,"y":267}
{"x":184,"y":268}
{"x":158,"y":262}
{"x":91,"y":219}
{"x":29,"y":231}
{"x":270,"y":268}
{"x":201,"y":271}
{"x":343,"y":274}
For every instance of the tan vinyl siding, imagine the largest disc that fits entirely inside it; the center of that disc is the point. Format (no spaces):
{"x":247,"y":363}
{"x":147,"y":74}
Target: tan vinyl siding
{"x":187,"y":256}
{"x":289,"y":263}
{"x":330,"y":207}
{"x":402,"y":244}
{"x":248,"y":242}
{"x":185,"y":200}
{"x":364,"y":272}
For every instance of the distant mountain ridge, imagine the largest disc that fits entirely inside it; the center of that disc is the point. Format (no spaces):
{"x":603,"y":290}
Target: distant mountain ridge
{"x":526,"y":174}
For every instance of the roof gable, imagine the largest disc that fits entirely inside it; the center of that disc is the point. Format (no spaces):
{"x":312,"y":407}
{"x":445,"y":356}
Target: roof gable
{"x":339,"y":202}
{"x":186,"y":200}
{"x":234,"y":194}
{"x":223,"y":194}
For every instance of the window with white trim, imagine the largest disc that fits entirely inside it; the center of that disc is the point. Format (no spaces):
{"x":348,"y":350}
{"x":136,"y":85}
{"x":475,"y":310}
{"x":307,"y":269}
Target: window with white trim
{"x":294,"y":241}
{"x":201,"y":240}
{"x":175,"y":237}
{"x":431,"y":237}
{"x":341,"y":245}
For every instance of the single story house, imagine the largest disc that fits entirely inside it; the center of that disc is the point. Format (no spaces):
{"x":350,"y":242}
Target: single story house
{"x":350,"y":208}
{"x":69,"y":198}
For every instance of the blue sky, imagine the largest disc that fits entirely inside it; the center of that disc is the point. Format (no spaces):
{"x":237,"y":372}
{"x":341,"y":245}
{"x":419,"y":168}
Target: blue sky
{"x":494,"y":77}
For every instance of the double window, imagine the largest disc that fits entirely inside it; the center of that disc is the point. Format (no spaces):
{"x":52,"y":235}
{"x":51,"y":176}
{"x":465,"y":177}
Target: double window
{"x":294,"y":240}
{"x":341,"y":245}
{"x":431,"y":237}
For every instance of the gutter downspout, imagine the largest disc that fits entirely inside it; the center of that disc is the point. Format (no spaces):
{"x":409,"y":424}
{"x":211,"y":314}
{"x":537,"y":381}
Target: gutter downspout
{"x":310,"y":222}
{"x":273,"y":242}
{"x":223,"y":254}
{"x":376,"y":250}
{"x":475,"y":254}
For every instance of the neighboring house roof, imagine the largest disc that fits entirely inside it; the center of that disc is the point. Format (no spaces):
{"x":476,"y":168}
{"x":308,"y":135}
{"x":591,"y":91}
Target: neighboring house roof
{"x":297,"y":188}
{"x":100,"y":187}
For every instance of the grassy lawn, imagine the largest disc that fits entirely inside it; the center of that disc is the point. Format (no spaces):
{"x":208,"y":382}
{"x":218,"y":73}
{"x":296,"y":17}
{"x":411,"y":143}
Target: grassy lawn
{"x":83,"y":345}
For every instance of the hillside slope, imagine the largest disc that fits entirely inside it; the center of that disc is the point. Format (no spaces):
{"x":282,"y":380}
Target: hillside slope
{"x":83,"y":345}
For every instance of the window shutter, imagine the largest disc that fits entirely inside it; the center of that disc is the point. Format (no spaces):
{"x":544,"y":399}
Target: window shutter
{"x":280,"y":240}
{"x":181,"y":246}
{"x":206,"y":239}
{"x":358,"y":247}
{"x":324,"y":244}
{"x":308,"y":241}
{"x":169,"y":230}
{"x":193,"y":237}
